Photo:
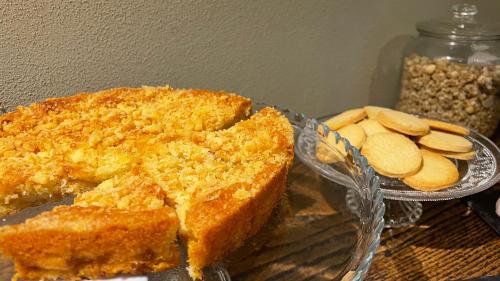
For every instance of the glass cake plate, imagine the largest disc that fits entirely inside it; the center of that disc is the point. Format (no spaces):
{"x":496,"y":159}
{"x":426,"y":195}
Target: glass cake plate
{"x":402,"y":202}
{"x":313,"y":233}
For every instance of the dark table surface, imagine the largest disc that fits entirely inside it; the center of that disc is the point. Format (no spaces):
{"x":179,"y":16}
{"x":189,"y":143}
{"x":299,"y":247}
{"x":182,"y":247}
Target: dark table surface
{"x":449,"y":242}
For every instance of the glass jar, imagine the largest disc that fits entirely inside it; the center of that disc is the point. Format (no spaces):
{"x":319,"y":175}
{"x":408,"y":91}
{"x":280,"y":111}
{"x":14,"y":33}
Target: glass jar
{"x":451,"y":71}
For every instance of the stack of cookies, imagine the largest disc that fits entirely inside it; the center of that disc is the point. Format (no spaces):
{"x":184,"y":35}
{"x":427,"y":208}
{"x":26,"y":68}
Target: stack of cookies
{"x":400,"y":145}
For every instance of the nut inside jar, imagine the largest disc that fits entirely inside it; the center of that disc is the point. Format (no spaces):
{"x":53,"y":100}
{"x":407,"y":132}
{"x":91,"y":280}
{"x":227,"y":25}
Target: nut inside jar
{"x":460,"y":93}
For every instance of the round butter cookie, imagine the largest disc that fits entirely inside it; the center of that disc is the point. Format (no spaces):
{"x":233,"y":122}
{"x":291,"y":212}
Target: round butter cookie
{"x":354,"y":133}
{"x":326,"y":154}
{"x":448,"y":127}
{"x":392,"y":154}
{"x":403,"y":122}
{"x":372,"y":111}
{"x":444,"y":141}
{"x":454,"y":155}
{"x":436,"y":173}
{"x":372,"y":126}
{"x":345,"y":118}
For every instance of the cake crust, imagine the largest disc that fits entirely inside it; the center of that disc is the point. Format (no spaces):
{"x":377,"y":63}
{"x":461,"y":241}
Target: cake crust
{"x":74,"y":242}
{"x":221,"y":225}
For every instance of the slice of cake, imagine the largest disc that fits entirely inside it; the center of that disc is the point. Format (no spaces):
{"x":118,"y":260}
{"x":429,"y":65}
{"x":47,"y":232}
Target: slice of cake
{"x":73,"y":242}
{"x":105,"y":233}
{"x":225,"y":184}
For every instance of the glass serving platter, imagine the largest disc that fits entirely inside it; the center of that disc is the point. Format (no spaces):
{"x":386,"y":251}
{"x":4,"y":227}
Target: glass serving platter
{"x":402,"y":202}
{"x":314,"y":233}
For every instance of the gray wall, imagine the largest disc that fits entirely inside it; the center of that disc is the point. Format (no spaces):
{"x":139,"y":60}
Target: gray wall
{"x":312,"y":56}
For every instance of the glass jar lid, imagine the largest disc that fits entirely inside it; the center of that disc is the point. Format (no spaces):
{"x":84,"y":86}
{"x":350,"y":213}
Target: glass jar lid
{"x":461,"y":26}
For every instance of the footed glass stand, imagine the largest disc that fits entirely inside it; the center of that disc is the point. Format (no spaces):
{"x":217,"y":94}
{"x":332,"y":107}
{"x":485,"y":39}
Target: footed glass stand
{"x":403,"y":205}
{"x":397,"y":213}
{"x":401,"y":213}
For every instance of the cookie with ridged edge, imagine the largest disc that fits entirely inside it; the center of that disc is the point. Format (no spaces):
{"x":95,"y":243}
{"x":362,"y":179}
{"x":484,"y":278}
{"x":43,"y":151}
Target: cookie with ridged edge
{"x":403,"y":122}
{"x":392,"y":154}
{"x":454,"y":155}
{"x":345,"y":118}
{"x":436,"y":173}
{"x":445,"y":141}
{"x":372,"y":111}
{"x":448,"y":127}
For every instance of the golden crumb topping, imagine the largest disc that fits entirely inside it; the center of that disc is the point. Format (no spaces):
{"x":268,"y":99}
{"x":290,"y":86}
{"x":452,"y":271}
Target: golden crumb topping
{"x":133,"y":190}
{"x":197,"y":171}
{"x":186,"y":160}
{"x":67,"y":145}
{"x":77,"y":218}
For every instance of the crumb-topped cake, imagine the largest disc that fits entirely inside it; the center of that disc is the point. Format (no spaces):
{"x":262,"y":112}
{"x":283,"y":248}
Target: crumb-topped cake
{"x":68,"y":145}
{"x":188,"y":162}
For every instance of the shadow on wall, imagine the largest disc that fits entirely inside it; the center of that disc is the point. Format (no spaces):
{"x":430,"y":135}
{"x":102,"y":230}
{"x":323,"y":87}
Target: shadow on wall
{"x":384,"y":87}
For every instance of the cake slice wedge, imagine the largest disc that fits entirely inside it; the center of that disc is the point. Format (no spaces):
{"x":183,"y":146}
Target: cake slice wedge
{"x":73,"y":242}
{"x":121,"y":226}
{"x":224,"y":184}
{"x":258,"y":153}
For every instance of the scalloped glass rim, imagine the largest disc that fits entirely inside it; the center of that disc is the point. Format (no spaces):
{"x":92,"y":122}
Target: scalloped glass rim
{"x":362,"y":179}
{"x":469,"y":170}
